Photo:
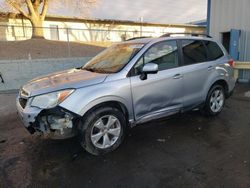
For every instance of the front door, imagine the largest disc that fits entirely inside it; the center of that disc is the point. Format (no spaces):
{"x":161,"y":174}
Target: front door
{"x":160,"y":94}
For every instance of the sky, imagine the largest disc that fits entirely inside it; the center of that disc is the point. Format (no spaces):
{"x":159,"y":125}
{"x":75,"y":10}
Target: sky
{"x":154,"y":11}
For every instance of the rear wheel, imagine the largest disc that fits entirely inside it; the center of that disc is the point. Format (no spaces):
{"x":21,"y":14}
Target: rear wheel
{"x":103,"y":130}
{"x":215,"y":100}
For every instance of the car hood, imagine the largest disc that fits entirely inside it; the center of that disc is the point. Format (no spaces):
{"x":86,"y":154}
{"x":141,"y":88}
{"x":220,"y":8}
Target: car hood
{"x":72,"y":78}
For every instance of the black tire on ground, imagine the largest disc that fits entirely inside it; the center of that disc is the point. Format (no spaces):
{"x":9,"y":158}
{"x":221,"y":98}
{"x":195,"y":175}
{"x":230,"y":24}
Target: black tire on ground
{"x":87,"y":127}
{"x":208,"y":104}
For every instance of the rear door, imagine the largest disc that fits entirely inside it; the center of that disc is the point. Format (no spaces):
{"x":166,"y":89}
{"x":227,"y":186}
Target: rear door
{"x":200,"y":58}
{"x":195,"y":71}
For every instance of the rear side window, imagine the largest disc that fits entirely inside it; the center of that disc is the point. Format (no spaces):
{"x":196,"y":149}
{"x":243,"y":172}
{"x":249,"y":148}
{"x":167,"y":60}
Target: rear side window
{"x":214,"y":51}
{"x":193,"y":51}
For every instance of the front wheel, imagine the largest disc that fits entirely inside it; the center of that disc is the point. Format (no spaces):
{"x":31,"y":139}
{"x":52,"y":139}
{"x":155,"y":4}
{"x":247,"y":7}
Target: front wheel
{"x":103,"y":130}
{"x":215,"y":100}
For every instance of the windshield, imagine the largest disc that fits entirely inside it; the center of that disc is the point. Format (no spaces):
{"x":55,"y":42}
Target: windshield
{"x":114,"y":58}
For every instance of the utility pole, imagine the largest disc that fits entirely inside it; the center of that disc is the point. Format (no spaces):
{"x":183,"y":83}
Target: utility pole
{"x":141,"y":22}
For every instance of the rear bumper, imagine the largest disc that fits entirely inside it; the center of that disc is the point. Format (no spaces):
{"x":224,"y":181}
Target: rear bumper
{"x":229,"y":94}
{"x":231,"y":85}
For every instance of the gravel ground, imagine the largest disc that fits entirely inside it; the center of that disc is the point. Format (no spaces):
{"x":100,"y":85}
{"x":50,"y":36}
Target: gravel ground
{"x":187,"y":150}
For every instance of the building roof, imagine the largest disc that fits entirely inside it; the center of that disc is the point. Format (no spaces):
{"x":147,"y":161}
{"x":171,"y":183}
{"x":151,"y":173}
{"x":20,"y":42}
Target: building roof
{"x":199,"y":22}
{"x":103,"y":21}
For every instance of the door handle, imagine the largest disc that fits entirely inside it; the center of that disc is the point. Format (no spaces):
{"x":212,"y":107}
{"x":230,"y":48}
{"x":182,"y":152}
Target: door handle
{"x":177,"y":76}
{"x":210,"y":68}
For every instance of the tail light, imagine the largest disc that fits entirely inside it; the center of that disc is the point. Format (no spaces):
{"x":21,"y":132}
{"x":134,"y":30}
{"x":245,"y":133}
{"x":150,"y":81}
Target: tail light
{"x":231,"y":63}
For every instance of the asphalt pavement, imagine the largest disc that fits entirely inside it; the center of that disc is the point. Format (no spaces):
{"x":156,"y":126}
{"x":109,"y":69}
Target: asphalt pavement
{"x":188,"y":150}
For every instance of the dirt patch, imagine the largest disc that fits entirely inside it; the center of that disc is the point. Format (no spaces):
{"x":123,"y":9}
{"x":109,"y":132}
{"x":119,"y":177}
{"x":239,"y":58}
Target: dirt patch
{"x":41,"y":48}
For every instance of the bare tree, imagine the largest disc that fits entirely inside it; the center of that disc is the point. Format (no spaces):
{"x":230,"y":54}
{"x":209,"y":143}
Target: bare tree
{"x":36,"y":10}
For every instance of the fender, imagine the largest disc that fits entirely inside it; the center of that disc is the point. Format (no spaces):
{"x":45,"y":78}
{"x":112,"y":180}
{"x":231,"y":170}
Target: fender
{"x":211,"y":83}
{"x":110,"y":98}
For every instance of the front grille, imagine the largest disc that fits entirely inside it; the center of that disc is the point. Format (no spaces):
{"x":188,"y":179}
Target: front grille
{"x":23,"y":102}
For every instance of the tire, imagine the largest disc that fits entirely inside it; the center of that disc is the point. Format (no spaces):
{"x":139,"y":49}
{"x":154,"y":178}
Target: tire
{"x":214,"y":105}
{"x":98,"y":136}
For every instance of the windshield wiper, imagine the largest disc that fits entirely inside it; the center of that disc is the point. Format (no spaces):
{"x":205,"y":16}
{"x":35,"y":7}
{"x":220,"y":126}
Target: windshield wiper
{"x":89,"y":69}
{"x":102,"y":71}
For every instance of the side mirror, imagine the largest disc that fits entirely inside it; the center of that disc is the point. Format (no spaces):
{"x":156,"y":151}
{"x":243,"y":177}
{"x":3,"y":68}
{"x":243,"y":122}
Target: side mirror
{"x":149,"y":68}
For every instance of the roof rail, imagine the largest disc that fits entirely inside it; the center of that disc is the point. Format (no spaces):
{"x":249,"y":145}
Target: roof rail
{"x":134,"y":38}
{"x":192,"y":34}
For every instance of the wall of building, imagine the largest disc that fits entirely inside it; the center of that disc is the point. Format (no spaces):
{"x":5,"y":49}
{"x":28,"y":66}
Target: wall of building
{"x":64,"y":30}
{"x":15,"y":73}
{"x":231,"y":14}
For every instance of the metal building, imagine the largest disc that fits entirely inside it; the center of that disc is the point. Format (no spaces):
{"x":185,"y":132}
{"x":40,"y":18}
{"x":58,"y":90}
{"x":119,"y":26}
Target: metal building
{"x":229,"y":22}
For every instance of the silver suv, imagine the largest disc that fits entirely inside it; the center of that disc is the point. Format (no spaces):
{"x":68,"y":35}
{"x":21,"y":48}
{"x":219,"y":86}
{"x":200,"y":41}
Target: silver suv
{"x":129,"y":83}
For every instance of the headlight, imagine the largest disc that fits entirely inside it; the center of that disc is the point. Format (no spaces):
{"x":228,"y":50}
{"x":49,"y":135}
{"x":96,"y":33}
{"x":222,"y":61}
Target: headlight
{"x":50,"y":100}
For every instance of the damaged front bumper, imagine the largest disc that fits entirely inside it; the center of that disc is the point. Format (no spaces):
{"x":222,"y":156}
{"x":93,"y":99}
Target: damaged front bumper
{"x":54,"y":123}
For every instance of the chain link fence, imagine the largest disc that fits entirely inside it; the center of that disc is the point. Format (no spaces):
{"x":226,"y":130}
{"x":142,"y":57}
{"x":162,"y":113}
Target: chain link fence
{"x":16,"y":33}
{"x":61,"y":42}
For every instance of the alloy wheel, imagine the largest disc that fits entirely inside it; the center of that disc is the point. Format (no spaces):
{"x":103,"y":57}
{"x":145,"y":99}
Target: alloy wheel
{"x":105,"y":132}
{"x":217,"y":100}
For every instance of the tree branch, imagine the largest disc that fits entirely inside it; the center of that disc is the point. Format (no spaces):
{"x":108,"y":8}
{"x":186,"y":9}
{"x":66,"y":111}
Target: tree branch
{"x":30,"y":7}
{"x":18,"y":8}
{"x":45,"y":8}
{"x":36,"y":5}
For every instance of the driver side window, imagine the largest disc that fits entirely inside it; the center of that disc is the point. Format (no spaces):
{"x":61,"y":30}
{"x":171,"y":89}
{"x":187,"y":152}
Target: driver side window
{"x":164,"y":54}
